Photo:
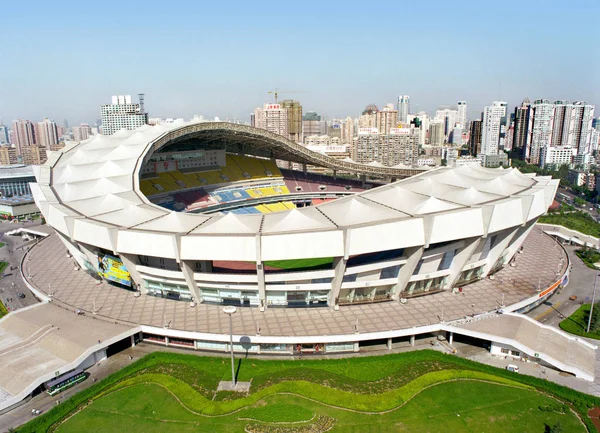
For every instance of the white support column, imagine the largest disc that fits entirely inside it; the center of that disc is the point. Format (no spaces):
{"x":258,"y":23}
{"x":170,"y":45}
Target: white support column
{"x":336,"y":284}
{"x":188,"y":274}
{"x":133,"y":341}
{"x":450,"y":338}
{"x":519,"y":238}
{"x":461,"y":259}
{"x":130,"y":261}
{"x":356,"y":346}
{"x":414,"y":255}
{"x":262,"y":292}
{"x":260,"y":275}
{"x":389,"y":344}
{"x":412,"y":340}
{"x":506,"y":236}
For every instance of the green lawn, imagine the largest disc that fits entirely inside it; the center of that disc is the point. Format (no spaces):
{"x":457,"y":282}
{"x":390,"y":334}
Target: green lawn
{"x":415,"y":391}
{"x":462,"y":406}
{"x":3,"y":310}
{"x":3,"y":266}
{"x":588,"y":256}
{"x":580,"y":221}
{"x":576,"y":323}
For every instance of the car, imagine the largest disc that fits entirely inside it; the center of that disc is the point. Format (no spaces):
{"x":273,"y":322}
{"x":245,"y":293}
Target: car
{"x":512,"y":367}
{"x":573,"y":298}
{"x":21,"y":295}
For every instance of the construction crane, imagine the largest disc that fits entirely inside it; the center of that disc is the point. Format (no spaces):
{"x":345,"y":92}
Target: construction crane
{"x":276,"y":92}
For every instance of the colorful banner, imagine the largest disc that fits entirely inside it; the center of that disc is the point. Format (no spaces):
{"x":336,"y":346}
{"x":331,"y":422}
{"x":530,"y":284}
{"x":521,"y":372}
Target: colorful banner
{"x":113,"y":269}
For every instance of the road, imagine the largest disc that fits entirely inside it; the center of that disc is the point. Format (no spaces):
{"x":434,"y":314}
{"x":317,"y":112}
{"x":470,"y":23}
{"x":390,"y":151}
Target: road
{"x":581,"y":284}
{"x":588,"y":208}
{"x":11,"y":283}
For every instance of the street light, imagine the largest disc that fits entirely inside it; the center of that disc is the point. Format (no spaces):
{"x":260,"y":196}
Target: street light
{"x":593,"y":300}
{"x":230,"y":311}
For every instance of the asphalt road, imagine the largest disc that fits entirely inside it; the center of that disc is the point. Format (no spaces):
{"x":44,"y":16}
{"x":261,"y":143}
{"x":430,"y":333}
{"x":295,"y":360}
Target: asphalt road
{"x":11,"y":283}
{"x":588,"y":208}
{"x":581,"y":284}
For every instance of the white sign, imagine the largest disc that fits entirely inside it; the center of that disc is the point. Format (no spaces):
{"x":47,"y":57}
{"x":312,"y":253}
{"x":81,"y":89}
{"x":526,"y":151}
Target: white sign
{"x":399,"y":131}
{"x":367,"y":131}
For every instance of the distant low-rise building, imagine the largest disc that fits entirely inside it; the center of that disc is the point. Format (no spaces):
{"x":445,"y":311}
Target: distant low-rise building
{"x":494,"y":160}
{"x":555,"y":156}
{"x":8,"y":155}
{"x":582,"y":178}
{"x":34,"y":155}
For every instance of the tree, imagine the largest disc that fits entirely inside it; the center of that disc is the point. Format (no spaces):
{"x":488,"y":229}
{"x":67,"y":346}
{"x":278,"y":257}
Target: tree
{"x":556,"y":428}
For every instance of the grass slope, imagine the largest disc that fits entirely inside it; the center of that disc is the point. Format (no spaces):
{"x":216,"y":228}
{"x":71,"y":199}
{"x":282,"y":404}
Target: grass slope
{"x":323,"y":387}
{"x":580,"y":221}
{"x":576,"y":323}
{"x":462,"y":406}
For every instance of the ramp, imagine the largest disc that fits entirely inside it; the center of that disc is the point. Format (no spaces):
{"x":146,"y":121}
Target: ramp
{"x":553,"y":346}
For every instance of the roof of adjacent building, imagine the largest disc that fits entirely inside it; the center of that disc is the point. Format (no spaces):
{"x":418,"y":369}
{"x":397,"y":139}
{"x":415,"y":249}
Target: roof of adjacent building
{"x":16,"y":171}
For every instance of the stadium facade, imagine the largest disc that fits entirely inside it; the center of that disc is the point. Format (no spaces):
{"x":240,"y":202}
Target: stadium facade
{"x":201,"y":212}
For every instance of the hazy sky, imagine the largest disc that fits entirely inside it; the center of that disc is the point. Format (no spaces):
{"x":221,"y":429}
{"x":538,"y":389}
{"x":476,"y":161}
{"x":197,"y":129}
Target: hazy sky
{"x":63,"y":59}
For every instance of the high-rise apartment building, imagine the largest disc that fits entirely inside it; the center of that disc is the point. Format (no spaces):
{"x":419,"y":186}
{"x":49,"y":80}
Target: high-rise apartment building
{"x":24,"y":134}
{"x":421,"y":120}
{"x":273,"y":118}
{"x":541,"y":134}
{"x":8,"y":155}
{"x":523,"y":129}
{"x":572,"y":125}
{"x":492,"y":129}
{"x":400,"y":146}
{"x":449,"y":118}
{"x":46,"y":133}
{"x":348,"y":130}
{"x":436,"y":133}
{"x":34,"y":155}
{"x":81,"y":132}
{"x":475,"y":137}
{"x":403,"y":108}
{"x":4,"y":134}
{"x":122,"y":114}
{"x":368,"y":118}
{"x":462,"y":113}
{"x":386,"y":119}
{"x":294,"y":119}
{"x":313,"y":125}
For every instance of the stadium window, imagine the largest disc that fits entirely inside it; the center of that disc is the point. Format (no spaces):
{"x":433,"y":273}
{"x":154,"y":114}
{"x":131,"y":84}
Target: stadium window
{"x":349,"y":278}
{"x":505,"y":351}
{"x":418,"y":267}
{"x":390,"y":272}
{"x":446,"y":261}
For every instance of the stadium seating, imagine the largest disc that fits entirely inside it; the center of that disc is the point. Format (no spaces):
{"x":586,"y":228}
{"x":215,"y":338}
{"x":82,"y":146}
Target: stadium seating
{"x":238,"y":168}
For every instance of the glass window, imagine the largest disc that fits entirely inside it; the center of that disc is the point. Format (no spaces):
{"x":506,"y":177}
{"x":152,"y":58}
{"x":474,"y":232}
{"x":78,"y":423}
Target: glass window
{"x":390,"y":272}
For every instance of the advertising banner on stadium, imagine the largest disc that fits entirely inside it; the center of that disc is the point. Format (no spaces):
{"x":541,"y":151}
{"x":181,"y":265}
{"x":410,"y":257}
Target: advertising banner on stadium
{"x":164,"y":166}
{"x":113,"y":269}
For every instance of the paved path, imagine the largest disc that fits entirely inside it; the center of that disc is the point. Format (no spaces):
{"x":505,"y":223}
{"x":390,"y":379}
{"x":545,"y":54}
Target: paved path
{"x":51,"y":270}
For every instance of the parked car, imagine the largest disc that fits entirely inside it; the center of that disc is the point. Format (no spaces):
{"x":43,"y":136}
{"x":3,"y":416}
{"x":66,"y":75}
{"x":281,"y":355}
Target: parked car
{"x":21,"y":295}
{"x":512,"y":367}
{"x":573,"y":298}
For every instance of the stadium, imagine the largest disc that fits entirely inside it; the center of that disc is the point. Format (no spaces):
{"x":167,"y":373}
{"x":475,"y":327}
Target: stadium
{"x":202,"y":212}
{"x":153,"y":232}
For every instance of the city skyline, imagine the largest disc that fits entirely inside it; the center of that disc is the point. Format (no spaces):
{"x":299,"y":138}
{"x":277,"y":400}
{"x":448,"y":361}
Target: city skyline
{"x":226,"y":65}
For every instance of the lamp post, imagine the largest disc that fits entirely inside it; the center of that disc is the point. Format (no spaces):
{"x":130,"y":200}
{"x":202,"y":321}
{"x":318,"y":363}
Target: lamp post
{"x":593,"y":300}
{"x":230,"y":311}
